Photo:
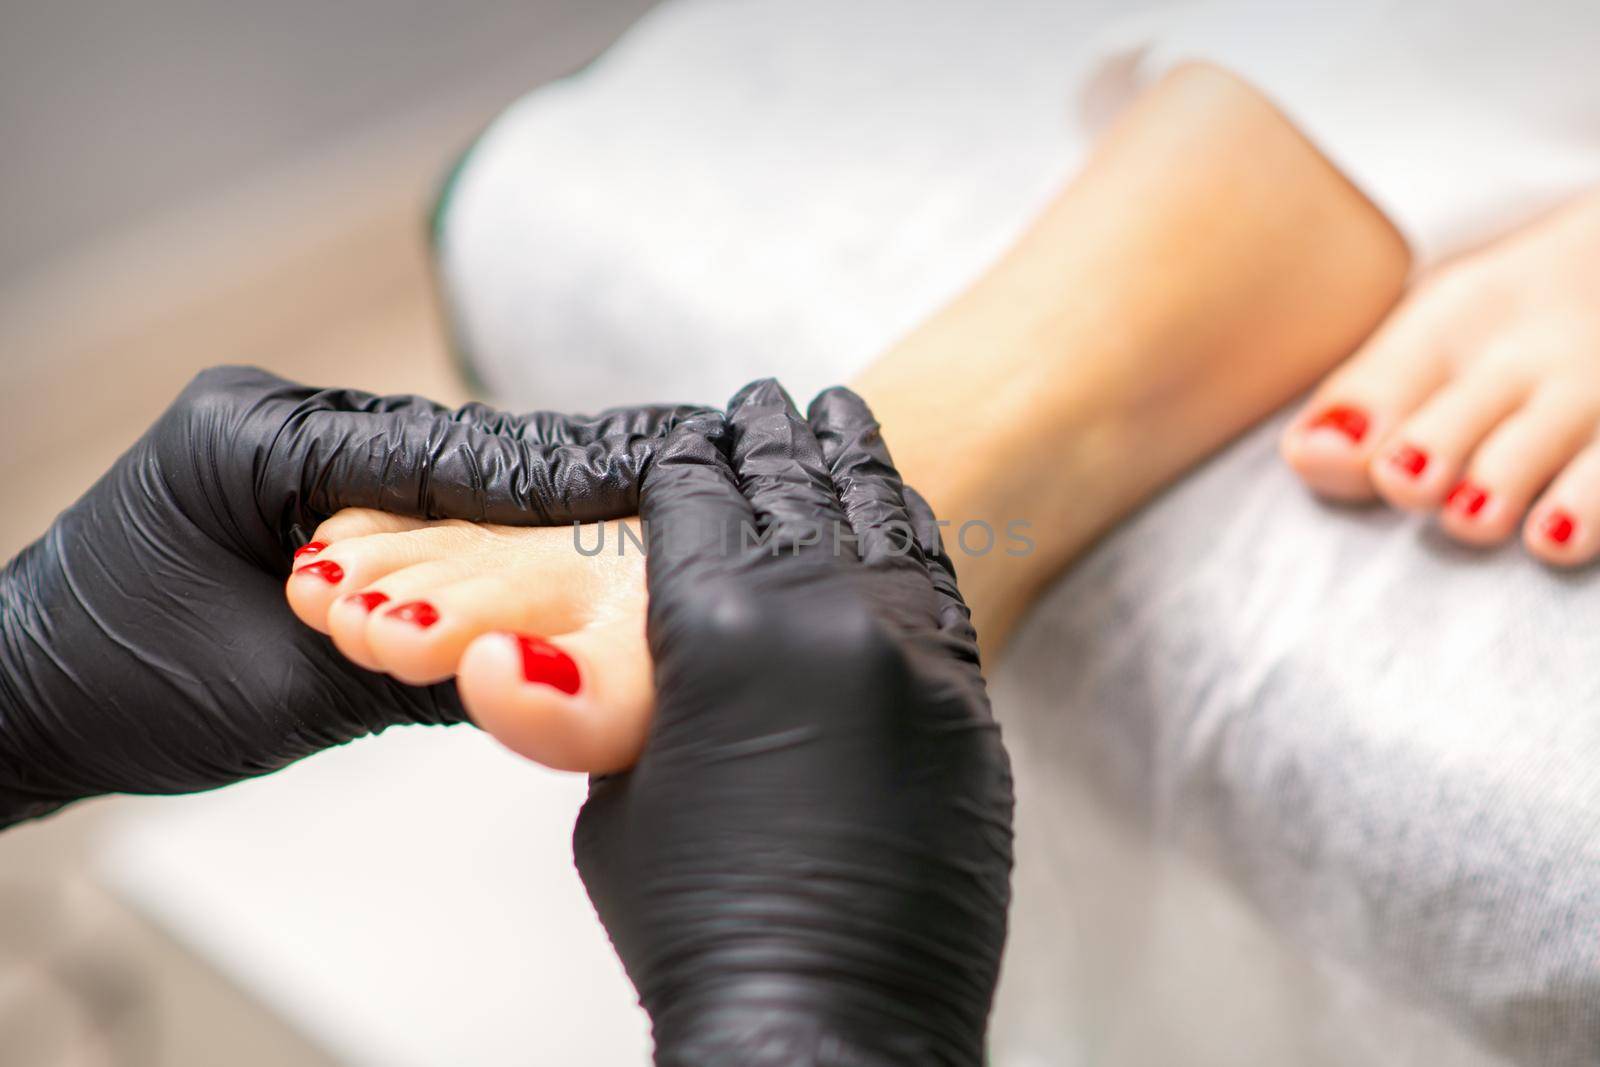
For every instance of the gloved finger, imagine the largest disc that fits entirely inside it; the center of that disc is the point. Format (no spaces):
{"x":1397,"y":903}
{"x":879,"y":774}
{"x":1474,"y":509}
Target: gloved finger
{"x":779,"y":464}
{"x":692,"y":509}
{"x":549,"y":469}
{"x":865,"y":479}
{"x":336,"y":448}
{"x":953,"y":615}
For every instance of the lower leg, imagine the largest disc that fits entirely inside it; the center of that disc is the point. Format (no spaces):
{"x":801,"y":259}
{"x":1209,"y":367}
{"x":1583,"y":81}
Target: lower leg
{"x":1206,"y":266}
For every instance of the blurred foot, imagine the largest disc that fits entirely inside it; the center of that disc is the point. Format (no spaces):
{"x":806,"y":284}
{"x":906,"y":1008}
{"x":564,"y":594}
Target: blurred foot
{"x":546,"y":644}
{"x":1479,"y":398}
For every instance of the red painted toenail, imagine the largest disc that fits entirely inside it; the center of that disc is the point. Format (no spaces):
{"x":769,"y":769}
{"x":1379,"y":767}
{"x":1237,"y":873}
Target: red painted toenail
{"x":1352,"y":422}
{"x":310,"y":549}
{"x":368,"y":601}
{"x":326,"y":569}
{"x":1411,"y":460}
{"x":1466,"y":498}
{"x":545,"y":664}
{"x":1559,"y":527}
{"x":418,"y":612}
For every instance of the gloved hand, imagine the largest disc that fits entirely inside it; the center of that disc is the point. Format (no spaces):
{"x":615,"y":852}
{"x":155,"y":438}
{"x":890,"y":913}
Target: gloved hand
{"x":145,"y":645}
{"x":810,"y":864}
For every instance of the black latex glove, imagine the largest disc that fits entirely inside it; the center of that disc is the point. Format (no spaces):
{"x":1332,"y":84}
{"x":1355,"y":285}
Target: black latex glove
{"x":810,"y":863}
{"x":145,"y":642}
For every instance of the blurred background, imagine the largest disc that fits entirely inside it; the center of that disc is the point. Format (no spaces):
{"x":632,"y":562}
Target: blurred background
{"x":742,"y":186}
{"x":185,"y":183}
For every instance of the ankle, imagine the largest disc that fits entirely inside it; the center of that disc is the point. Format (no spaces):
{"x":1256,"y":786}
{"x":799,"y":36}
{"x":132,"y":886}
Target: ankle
{"x":1206,"y":266}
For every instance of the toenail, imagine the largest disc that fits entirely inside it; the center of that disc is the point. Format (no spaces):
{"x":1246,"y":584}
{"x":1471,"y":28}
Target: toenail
{"x":1352,"y":422}
{"x":418,"y":612}
{"x":368,"y":600}
{"x":1411,"y":460}
{"x":1466,"y":498}
{"x":545,"y":664}
{"x":1559,"y":526}
{"x":326,"y":569}
{"x":311,"y":548}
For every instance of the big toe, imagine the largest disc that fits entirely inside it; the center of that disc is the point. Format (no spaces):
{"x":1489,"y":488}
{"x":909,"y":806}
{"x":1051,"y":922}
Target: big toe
{"x":576,"y":702}
{"x":1329,"y":447}
{"x":1333,"y":440}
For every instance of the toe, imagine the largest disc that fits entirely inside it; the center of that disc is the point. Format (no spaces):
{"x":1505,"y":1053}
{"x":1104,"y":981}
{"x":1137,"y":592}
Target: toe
{"x":1513,"y":463}
{"x":1331,"y":443}
{"x":1563,"y":529}
{"x":336,"y":567}
{"x":314,"y":585}
{"x":419,"y":632}
{"x":349,"y":523}
{"x":577,"y":702}
{"x":347,"y":620}
{"x":1423,"y":462}
{"x":363,"y":522}
{"x":1328,"y":446}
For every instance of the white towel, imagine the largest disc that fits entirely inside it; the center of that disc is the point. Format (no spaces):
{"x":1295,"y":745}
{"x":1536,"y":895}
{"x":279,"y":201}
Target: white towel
{"x":1387,"y":745}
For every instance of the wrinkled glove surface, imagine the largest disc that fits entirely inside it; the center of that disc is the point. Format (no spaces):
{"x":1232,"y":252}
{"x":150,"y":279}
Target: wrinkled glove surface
{"x":810,"y":864}
{"x":145,"y":643}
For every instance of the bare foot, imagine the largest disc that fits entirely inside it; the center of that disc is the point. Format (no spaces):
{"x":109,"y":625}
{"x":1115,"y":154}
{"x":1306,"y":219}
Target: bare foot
{"x":546,"y":643}
{"x":1207,"y":266}
{"x":1479,"y":398}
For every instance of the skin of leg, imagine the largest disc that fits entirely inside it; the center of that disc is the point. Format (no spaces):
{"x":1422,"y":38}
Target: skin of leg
{"x":1206,"y":265}
{"x":1478,"y":393}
